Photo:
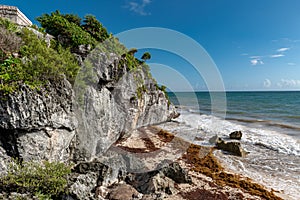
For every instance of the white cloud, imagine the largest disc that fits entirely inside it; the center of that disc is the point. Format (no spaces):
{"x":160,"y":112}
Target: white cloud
{"x":283,"y":49}
{"x":138,"y":6}
{"x":276,"y":55}
{"x":255,"y":57}
{"x":256,"y":62}
{"x":267,"y":83}
{"x":289,"y":83}
{"x":291,"y":64}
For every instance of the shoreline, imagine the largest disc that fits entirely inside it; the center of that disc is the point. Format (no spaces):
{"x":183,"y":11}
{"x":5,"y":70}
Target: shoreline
{"x":213,"y":180}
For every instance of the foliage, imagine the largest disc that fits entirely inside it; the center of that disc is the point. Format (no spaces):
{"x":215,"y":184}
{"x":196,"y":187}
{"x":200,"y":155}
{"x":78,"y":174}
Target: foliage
{"x":95,"y":28}
{"x":111,"y":45}
{"x":10,"y":74}
{"x":47,"y":64}
{"x":9,"y":41}
{"x":132,"y":51}
{"x":47,"y":179}
{"x":58,"y":25}
{"x":163,"y":88}
{"x":146,"y":56}
{"x":39,"y":65}
{"x":73,"y":18}
{"x":8,"y":25}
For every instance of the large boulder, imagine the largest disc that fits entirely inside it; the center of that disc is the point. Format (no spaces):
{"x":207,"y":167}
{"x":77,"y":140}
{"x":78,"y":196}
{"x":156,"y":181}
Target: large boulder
{"x":123,"y":192}
{"x":159,"y":181}
{"x":231,"y":147}
{"x":237,"y":135}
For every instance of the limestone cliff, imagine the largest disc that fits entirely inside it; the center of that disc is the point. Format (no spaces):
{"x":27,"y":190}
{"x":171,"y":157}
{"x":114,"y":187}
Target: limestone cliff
{"x":50,"y":124}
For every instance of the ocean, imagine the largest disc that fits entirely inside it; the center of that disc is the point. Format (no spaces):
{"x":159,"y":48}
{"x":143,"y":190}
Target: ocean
{"x":269,"y":121}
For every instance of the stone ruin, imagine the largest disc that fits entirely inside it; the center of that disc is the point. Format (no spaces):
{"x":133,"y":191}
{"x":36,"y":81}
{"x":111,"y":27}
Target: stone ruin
{"x":15,"y":15}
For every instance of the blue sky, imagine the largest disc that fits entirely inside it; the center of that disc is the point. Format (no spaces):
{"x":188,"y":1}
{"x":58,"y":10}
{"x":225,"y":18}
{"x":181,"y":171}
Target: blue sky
{"x":255,"y":44}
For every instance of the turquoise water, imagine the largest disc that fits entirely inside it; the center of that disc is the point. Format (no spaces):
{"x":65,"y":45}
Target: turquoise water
{"x":277,"y":110}
{"x":269,"y":121}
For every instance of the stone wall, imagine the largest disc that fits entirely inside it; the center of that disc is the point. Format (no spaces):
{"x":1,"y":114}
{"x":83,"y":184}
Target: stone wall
{"x":15,"y":15}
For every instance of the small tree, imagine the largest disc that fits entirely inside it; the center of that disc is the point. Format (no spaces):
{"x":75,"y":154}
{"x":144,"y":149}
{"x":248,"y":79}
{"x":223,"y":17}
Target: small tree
{"x":146,"y":56}
{"x":132,"y":51}
{"x":73,"y":18}
{"x":95,"y":28}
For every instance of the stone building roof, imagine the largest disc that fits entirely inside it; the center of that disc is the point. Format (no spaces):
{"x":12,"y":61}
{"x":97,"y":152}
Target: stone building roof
{"x":15,"y":15}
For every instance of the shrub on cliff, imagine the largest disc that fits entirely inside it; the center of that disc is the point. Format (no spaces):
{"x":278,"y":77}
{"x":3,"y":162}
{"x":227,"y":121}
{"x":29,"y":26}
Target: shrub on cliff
{"x":95,"y":28}
{"x":36,"y":65}
{"x":47,"y":179}
{"x":68,"y":32}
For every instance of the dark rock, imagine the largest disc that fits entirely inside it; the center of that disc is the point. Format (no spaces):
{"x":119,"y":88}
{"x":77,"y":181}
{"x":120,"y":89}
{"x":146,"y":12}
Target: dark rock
{"x":175,"y":172}
{"x":159,"y":181}
{"x":237,"y":135}
{"x":232,"y":147}
{"x":123,"y":192}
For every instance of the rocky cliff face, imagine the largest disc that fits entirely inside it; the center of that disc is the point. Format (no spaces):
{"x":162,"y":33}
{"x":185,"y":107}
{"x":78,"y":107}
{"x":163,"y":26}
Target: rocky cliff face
{"x":116,"y":101}
{"x":52,"y":124}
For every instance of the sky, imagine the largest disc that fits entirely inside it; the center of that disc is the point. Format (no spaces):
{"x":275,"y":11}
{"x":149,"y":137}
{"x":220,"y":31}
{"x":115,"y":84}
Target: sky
{"x":243,"y":44}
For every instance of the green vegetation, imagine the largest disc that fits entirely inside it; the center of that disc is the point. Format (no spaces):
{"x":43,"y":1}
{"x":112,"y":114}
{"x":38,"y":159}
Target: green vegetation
{"x":163,"y":88}
{"x":146,"y":56}
{"x":94,"y":28}
{"x":27,"y":59}
{"x":36,"y":63}
{"x":68,"y":32}
{"x":46,"y":180}
{"x":69,"y":28}
{"x":140,"y":91}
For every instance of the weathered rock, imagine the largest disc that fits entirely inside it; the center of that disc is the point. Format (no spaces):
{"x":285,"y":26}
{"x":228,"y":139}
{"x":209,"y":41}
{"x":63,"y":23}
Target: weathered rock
{"x":53,"y":124}
{"x":152,"y":182}
{"x":175,"y":172}
{"x":159,"y":181}
{"x":29,"y":110}
{"x":123,"y":192}
{"x":116,"y":101}
{"x":237,"y":135}
{"x":214,"y":139}
{"x":84,"y":185}
{"x":232,"y":147}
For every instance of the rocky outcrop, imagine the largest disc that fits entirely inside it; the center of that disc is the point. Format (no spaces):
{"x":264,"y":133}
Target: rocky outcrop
{"x":60,"y":122}
{"x":123,"y":192}
{"x":89,"y":179}
{"x":114,"y":101}
{"x":237,"y":135}
{"x":37,"y":124}
{"x":231,"y":147}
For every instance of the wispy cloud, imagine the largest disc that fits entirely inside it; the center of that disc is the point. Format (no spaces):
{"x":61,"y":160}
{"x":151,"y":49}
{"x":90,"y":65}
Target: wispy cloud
{"x":289,"y":83}
{"x":283,"y":49}
{"x":291,"y":64}
{"x":267,"y":83}
{"x":276,"y":55}
{"x":138,"y":6}
{"x":256,"y":62}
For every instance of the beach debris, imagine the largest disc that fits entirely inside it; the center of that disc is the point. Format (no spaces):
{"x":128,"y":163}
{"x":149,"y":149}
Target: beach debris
{"x":237,"y":135}
{"x":231,"y":147}
{"x":214,"y":139}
